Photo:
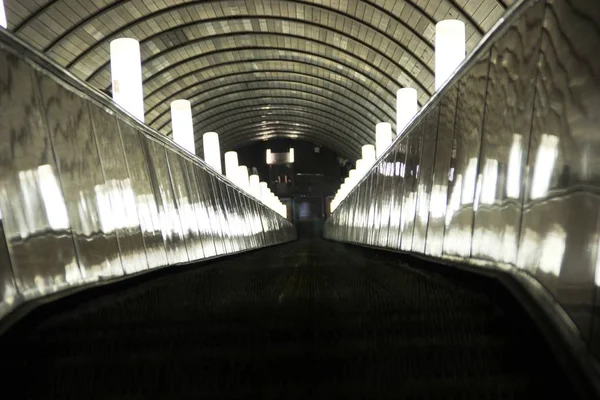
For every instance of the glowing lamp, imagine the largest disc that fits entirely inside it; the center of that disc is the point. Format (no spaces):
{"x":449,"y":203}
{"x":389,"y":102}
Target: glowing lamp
{"x":406,"y":108}
{"x":450,"y":49}
{"x":231,"y":166}
{"x":242,"y":179}
{"x":126,"y":76}
{"x":183,"y":128}
{"x":368,"y":154}
{"x":212,"y":150}
{"x":383,"y":137}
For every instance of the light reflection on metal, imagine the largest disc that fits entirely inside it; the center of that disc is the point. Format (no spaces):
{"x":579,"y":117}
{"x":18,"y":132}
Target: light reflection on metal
{"x":489,"y":182}
{"x":544,"y":166}
{"x":469,"y":182}
{"x":513,"y":175}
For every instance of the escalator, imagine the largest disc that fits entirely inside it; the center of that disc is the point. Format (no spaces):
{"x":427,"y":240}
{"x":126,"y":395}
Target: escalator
{"x":308,"y":319}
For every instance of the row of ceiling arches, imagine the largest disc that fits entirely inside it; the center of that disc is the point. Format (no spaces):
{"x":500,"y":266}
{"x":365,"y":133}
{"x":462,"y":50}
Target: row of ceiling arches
{"x":326,"y":71}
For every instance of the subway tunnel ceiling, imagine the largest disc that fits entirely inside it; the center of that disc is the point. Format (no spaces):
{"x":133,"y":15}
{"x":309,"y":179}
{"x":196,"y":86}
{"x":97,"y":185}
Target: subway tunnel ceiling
{"x":325,"y":71}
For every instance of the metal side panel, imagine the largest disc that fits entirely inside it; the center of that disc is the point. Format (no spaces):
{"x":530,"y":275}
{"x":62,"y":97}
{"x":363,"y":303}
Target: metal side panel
{"x":236,"y":219}
{"x":506,"y":128}
{"x":376,"y":204}
{"x":430,"y":123}
{"x":411,"y":180}
{"x":207,"y":192}
{"x":441,"y":173}
{"x":116,"y":198}
{"x":386,"y":171}
{"x":78,"y":162}
{"x":220,"y":201}
{"x":143,"y":192}
{"x":32,"y":206}
{"x":393,"y":239}
{"x":464,"y":162}
{"x":170,"y":222}
{"x":181,"y":192}
{"x":559,"y":229}
{"x":200,"y":210}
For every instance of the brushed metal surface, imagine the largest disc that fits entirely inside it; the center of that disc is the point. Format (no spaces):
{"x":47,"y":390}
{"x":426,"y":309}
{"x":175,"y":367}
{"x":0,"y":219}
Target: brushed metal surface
{"x":430,"y":123}
{"x":144,"y":196}
{"x":169,"y":218}
{"x":34,"y":216}
{"x":464,"y":160}
{"x":87,"y":193}
{"x":441,"y":173}
{"x":200,"y":210}
{"x":214,"y":190}
{"x":393,"y":239}
{"x":559,"y":229}
{"x":183,"y":208}
{"x":506,"y":128}
{"x":512,"y":179}
{"x":78,"y":163}
{"x":119,"y":208}
{"x":411,"y":180}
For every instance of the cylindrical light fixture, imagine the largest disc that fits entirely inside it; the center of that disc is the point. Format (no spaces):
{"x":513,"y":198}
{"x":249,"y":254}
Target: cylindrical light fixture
{"x":254,"y":182}
{"x":368,"y":154}
{"x":231,"y":166}
{"x":450,"y":49}
{"x":383,"y":137}
{"x":3,"y":22}
{"x":406,"y":108}
{"x":183,"y":127}
{"x":212,"y":150}
{"x":243,"y":179}
{"x":361,"y":168}
{"x":264,"y":193}
{"x":126,"y":76}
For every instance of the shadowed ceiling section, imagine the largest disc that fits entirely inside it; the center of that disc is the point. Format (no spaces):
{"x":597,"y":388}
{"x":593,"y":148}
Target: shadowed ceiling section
{"x":254,"y":69}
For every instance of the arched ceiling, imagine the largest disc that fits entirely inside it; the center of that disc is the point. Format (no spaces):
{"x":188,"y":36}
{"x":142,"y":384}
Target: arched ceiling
{"x":324,"y":70}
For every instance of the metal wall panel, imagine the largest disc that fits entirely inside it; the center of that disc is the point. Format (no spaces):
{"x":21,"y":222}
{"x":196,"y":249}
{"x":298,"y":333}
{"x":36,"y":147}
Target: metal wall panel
{"x":506,"y":127}
{"x":169,"y":218}
{"x":430,"y":123}
{"x":89,"y":194}
{"x":181,"y":191}
{"x":116,"y":198}
{"x":34,"y":216}
{"x":78,"y":163}
{"x":219,"y":214}
{"x":559,"y":228}
{"x":386,"y":200}
{"x":463,"y":172}
{"x":9,"y":296}
{"x":441,"y":173}
{"x":145,"y":201}
{"x":393,"y":237}
{"x":207,"y":191}
{"x":414,"y":139}
{"x":201,"y":210}
{"x":515,"y":177}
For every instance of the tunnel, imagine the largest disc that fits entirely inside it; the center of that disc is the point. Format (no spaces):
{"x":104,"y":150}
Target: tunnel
{"x":462,"y":262}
